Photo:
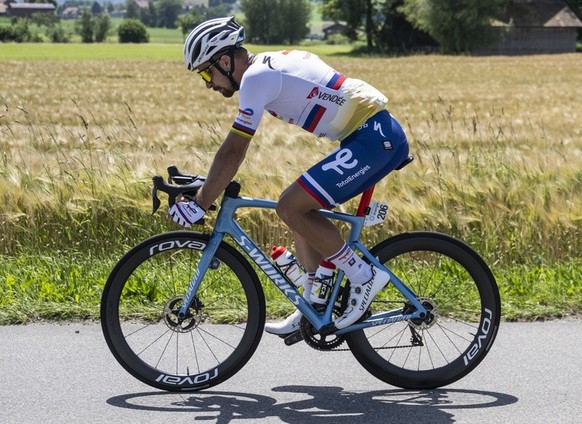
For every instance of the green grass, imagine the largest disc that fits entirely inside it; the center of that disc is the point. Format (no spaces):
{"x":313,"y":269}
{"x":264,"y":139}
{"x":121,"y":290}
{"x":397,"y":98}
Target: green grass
{"x":151,"y":51}
{"x":69,"y":286}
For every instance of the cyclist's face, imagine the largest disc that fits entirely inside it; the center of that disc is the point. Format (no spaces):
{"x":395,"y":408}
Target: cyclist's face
{"x":214,"y":79}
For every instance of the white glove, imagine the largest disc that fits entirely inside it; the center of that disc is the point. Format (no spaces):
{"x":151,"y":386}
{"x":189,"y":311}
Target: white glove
{"x":186,"y":213}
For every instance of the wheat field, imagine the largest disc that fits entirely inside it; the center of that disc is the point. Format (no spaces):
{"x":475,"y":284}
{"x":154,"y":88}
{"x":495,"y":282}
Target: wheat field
{"x":497,"y":142}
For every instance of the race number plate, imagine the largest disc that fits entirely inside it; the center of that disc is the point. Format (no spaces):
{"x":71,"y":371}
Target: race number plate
{"x":377,"y":213}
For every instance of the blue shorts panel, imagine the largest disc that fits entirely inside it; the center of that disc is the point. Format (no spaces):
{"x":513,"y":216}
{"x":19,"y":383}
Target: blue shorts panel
{"x":363,"y":158}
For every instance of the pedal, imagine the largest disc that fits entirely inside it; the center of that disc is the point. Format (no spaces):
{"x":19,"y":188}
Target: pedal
{"x":293,"y":338}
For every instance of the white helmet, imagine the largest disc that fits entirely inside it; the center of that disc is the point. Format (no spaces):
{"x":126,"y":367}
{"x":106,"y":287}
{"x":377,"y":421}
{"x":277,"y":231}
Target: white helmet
{"x":209,"y":38}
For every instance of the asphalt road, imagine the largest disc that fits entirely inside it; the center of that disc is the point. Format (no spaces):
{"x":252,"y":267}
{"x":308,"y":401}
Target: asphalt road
{"x":65,"y":373}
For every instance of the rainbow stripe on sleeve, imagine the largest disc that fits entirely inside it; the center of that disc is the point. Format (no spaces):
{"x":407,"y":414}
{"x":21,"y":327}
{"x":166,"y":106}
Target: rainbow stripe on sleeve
{"x":241,"y":130}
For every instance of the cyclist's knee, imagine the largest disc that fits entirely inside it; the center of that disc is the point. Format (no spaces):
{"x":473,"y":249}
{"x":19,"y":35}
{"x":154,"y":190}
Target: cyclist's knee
{"x":293,"y":203}
{"x":284,"y":207}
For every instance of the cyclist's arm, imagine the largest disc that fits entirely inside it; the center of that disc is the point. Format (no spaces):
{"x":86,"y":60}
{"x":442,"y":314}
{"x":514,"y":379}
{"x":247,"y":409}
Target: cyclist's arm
{"x":223,"y":169}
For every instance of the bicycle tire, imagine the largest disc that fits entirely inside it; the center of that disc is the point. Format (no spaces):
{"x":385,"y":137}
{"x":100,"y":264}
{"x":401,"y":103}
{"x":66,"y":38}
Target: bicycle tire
{"x":457,"y":284}
{"x":141,"y":298}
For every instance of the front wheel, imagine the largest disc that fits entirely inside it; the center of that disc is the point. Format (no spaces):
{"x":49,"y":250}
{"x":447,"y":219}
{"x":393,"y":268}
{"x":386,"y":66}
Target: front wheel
{"x":457,"y":288}
{"x":139,"y":313}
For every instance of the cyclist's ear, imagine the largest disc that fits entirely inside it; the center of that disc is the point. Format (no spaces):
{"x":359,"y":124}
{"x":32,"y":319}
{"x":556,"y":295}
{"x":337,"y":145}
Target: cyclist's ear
{"x":226,"y":62}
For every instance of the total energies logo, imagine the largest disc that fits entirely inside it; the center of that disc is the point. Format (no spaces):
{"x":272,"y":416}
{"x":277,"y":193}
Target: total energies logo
{"x":248,"y":112}
{"x":343,"y":159}
{"x":245,"y":115}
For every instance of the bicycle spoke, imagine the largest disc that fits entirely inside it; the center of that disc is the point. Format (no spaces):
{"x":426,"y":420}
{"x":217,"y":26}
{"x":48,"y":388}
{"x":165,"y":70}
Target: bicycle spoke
{"x":164,"y":341}
{"x":443,"y":275}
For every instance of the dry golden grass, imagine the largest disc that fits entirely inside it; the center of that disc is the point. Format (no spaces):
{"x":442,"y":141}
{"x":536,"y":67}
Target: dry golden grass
{"x":498,"y":142}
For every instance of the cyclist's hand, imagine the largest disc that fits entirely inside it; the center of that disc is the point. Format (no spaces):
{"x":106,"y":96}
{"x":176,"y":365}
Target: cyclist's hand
{"x":186,"y":213}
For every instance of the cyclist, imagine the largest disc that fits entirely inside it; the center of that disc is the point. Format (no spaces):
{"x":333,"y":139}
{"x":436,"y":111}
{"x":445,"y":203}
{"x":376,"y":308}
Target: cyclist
{"x":299,"y":88}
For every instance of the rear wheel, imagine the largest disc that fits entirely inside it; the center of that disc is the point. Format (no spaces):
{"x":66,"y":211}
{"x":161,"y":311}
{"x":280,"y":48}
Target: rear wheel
{"x":460,"y":293}
{"x":140,"y":322}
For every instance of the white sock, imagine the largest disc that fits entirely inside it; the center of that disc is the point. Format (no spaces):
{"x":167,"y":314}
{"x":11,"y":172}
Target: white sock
{"x":357,"y":271}
{"x":308,"y":286}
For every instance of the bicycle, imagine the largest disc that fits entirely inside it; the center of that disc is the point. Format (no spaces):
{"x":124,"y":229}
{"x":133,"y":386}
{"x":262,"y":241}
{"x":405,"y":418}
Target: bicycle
{"x":165,"y":303}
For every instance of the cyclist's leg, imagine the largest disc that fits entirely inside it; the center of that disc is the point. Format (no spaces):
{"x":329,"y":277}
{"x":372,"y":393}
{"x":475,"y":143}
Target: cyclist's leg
{"x":298,"y":209}
{"x":307,"y":255}
{"x":364,"y":158}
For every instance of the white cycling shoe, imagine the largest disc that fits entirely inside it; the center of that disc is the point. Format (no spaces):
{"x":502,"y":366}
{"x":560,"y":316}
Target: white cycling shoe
{"x":361,"y":296}
{"x":288,"y":326}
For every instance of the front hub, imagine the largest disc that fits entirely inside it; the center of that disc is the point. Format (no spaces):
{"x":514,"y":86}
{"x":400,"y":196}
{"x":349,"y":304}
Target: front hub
{"x":177,"y":324}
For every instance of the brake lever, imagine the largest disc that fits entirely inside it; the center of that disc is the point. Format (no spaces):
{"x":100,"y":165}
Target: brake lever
{"x":172,"y":191}
{"x":155,"y":200}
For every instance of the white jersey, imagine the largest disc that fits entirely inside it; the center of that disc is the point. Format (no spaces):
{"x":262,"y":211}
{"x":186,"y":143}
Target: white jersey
{"x":301,"y":89}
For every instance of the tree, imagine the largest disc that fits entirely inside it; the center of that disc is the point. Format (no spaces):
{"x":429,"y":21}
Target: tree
{"x":132,"y":31}
{"x":458,"y":25}
{"x":295,"y":16}
{"x":349,"y":11}
{"x":149,"y":16}
{"x":577,"y":4}
{"x":168,"y":11}
{"x":96,"y":8}
{"x":396,"y":34}
{"x":276,"y":21}
{"x":102,"y":27}
{"x":85,"y":26}
{"x":131,"y":10}
{"x":190,"y":20}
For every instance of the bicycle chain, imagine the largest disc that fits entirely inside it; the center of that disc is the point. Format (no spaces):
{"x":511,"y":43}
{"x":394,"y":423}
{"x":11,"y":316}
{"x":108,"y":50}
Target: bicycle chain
{"x":306,"y":330}
{"x":376,"y":348}
{"x":415,"y":342}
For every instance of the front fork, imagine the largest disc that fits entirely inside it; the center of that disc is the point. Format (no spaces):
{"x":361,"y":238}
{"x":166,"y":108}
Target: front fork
{"x":206,"y":260}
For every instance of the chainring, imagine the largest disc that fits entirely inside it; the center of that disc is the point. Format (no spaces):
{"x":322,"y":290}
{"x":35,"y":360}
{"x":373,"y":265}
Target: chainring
{"x":316,"y":340}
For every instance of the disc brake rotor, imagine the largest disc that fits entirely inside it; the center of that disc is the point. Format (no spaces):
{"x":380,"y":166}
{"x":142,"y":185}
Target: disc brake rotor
{"x":190,"y":321}
{"x":431,"y":317}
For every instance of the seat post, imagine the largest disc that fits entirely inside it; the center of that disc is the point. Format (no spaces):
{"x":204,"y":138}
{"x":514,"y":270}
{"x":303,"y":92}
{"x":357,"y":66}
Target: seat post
{"x":365,"y":201}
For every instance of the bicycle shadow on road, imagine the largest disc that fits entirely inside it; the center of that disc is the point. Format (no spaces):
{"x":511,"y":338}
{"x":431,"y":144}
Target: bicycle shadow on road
{"x":318,"y":404}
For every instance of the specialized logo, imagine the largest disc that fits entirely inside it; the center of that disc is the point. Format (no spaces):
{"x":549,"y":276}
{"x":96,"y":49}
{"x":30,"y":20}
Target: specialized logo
{"x":267,"y":60}
{"x":342,"y":160}
{"x":378,"y":128}
{"x":333,"y":98}
{"x":366,"y":299}
{"x":266,"y":265}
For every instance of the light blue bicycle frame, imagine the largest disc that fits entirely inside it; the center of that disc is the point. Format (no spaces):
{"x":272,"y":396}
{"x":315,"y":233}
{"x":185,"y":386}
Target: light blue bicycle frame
{"x":225,"y":224}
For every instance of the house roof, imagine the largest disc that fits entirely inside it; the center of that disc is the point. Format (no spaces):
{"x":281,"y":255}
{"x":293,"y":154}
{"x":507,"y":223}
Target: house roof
{"x":334,"y":25}
{"x":540,"y":13}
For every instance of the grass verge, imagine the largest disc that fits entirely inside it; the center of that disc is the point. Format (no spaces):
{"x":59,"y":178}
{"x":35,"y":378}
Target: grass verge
{"x":69,"y":287}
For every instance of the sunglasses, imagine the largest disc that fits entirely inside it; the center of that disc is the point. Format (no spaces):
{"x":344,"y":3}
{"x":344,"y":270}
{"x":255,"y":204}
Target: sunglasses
{"x":205,"y":73}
